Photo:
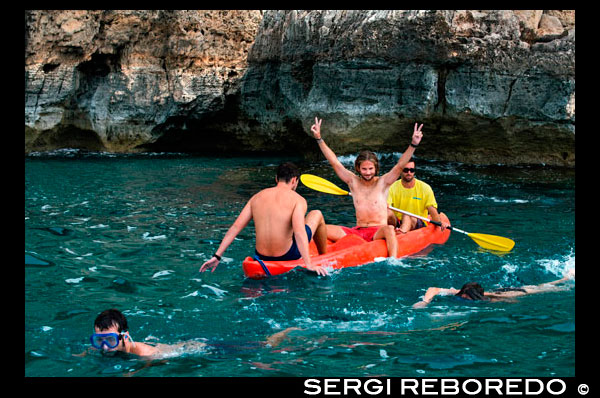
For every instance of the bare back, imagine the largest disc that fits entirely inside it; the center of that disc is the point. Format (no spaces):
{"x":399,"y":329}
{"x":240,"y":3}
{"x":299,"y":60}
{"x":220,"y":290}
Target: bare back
{"x":370,"y":201}
{"x":272,"y":210}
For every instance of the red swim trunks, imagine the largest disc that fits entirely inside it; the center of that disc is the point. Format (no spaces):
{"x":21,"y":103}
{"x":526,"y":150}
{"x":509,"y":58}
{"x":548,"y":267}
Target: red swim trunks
{"x":364,"y":232}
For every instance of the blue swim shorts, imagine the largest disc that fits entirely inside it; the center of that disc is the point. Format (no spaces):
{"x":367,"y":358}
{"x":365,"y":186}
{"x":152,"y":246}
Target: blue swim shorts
{"x":292,"y":254}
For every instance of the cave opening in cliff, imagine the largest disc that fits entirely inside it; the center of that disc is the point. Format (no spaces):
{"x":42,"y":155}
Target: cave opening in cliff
{"x":207,"y":137}
{"x":100,"y":65}
{"x":68,"y":137}
{"x":47,"y":68}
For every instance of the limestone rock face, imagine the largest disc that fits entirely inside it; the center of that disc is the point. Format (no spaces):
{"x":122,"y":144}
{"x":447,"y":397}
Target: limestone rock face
{"x":489,"y":86}
{"x":116,"y":80}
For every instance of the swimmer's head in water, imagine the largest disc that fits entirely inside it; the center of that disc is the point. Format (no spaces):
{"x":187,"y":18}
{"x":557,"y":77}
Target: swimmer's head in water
{"x":471,"y":291}
{"x":110,"y":331}
{"x":110,"y":318}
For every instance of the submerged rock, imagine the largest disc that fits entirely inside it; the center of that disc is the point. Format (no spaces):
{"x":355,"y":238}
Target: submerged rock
{"x":489,"y":86}
{"x":32,"y":261}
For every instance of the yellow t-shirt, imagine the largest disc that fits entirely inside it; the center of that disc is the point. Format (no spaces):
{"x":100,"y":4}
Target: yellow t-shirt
{"x":415,"y":200}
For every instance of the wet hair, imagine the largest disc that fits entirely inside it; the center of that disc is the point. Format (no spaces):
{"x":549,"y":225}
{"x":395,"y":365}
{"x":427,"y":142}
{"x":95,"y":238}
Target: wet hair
{"x":286,"y":171}
{"x":366,"y":155}
{"x":111,"y":317}
{"x":472,"y":290}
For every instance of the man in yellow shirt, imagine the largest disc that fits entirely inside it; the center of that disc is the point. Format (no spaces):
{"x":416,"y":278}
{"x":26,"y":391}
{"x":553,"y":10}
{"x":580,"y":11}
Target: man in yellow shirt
{"x":414,"y":196}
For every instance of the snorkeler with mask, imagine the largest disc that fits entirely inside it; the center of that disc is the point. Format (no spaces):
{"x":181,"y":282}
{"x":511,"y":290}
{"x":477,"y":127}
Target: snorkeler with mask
{"x":111,"y":335}
{"x":474,"y":291}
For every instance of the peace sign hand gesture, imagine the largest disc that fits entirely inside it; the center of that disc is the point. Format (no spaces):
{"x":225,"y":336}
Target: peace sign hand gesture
{"x":316,"y":128}
{"x":417,"y":134}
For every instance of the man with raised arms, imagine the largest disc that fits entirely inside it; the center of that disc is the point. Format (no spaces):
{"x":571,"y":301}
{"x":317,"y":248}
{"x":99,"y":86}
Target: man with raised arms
{"x":282,"y":231}
{"x":369,"y":191}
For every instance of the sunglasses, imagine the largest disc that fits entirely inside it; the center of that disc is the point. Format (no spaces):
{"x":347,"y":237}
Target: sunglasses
{"x":110,"y":340}
{"x":407,"y":169}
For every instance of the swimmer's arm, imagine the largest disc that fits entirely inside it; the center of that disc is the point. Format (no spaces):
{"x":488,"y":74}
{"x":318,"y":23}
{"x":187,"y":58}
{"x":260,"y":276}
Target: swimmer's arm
{"x":276,"y":339}
{"x":568,"y":275}
{"x":431,"y":293}
{"x":550,"y":286}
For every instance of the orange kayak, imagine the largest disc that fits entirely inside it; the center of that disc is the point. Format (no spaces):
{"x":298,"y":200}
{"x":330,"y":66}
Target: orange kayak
{"x":351,"y":251}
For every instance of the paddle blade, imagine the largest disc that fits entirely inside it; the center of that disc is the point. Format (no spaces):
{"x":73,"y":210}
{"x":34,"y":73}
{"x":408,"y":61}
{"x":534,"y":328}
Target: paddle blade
{"x":493,"y":242}
{"x":322,"y":185}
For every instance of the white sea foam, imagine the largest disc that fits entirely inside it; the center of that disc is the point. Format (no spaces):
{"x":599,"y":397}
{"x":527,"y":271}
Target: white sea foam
{"x":216,"y":291}
{"x":392,"y":157}
{"x":510,"y":268}
{"x":358,"y":320}
{"x":448,"y":313}
{"x":146,"y":236}
{"x":348,"y":160}
{"x":81,"y":220}
{"x":481,"y":198}
{"x":273,"y":324}
{"x":162,"y":273}
{"x":195,"y":293}
{"x":559,"y":267}
{"x":398,"y":262}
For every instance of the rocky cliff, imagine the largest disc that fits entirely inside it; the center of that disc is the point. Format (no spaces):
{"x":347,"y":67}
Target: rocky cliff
{"x":118,"y":80}
{"x":490,"y":86}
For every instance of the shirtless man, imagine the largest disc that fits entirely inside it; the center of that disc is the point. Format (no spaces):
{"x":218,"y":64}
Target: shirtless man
{"x":474,"y":291}
{"x":111,"y":335}
{"x":282,"y":231}
{"x":369,"y":191}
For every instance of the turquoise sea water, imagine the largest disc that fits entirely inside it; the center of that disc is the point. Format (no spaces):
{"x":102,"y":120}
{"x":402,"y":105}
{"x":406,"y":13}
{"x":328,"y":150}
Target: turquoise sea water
{"x":130,"y":232}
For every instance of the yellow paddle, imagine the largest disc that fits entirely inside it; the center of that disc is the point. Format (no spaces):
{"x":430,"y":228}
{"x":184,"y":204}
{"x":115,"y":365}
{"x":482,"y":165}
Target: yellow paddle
{"x":491,"y":242}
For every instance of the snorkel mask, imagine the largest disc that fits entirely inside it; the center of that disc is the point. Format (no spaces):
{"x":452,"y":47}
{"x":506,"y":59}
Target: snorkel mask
{"x":110,"y":340}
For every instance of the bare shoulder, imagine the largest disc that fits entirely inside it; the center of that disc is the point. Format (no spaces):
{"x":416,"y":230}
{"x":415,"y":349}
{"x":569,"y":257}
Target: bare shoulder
{"x":146,"y":350}
{"x":298,"y":196}
{"x":262,"y":192}
{"x":262,"y":195}
{"x":299,"y":199}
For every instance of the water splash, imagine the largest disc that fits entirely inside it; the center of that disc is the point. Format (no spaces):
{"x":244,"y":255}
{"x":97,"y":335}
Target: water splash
{"x":560,"y":266}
